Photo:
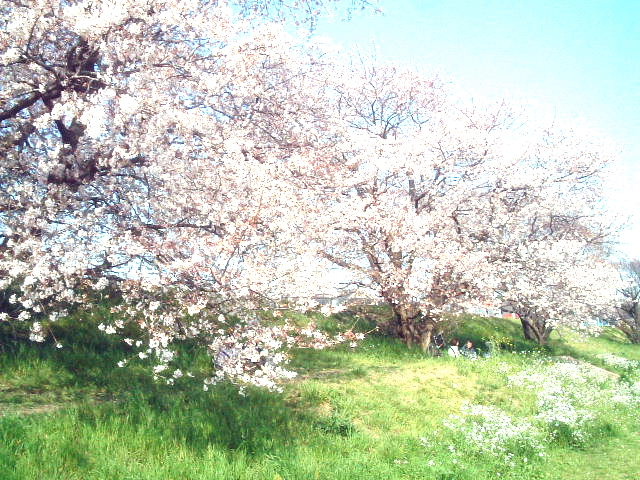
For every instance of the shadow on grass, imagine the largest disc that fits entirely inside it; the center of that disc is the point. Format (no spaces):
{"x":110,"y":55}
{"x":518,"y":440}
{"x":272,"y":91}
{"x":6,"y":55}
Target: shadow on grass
{"x":560,"y":347}
{"x":182,"y":415}
{"x":101,"y":397}
{"x":256,"y":423}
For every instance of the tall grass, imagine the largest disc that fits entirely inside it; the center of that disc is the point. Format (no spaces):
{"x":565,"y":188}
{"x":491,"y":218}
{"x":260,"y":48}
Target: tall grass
{"x":377,"y":411}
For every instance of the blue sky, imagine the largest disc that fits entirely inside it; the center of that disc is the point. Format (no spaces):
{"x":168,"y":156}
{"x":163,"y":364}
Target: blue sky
{"x":579,"y":60}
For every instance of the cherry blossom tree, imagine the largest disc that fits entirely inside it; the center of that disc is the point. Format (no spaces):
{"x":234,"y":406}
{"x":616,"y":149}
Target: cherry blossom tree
{"x":551,"y":284}
{"x":401,"y":210}
{"x":155,"y":145}
{"x":549,"y":234}
{"x":438,"y":205}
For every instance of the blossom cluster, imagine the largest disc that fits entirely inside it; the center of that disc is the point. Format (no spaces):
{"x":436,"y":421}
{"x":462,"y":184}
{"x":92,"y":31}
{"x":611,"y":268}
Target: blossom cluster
{"x":252,"y":354}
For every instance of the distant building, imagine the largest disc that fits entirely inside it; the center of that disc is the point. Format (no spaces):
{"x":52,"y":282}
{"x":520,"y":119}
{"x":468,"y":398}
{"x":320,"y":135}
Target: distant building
{"x":507,"y":312}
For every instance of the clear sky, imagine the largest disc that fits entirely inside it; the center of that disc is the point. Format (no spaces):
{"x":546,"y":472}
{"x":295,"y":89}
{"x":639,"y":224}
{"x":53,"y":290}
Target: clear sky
{"x":577,"y":59}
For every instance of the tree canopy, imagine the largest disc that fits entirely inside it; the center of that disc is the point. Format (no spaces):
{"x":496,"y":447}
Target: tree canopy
{"x":205,"y":163}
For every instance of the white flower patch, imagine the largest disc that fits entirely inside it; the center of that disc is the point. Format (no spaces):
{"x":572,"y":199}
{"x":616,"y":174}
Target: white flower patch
{"x":615,"y":361}
{"x":108,"y":329}
{"x":627,"y":394}
{"x":491,"y":430}
{"x":569,"y":395}
{"x":101,"y":284}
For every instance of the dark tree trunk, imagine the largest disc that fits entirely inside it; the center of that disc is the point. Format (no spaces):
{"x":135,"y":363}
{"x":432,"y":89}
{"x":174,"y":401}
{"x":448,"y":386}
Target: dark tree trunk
{"x":632,"y":331}
{"x":536,"y":330}
{"x":405,"y":330}
{"x":412,"y":328}
{"x":629,"y":324}
{"x":425,"y":339}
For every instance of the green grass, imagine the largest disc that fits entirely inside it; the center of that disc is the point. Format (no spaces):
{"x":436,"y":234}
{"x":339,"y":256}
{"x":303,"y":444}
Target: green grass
{"x":352,"y":414}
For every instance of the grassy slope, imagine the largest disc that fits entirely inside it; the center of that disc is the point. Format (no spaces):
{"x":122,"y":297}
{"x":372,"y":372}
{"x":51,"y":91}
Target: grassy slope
{"x":351,"y":415}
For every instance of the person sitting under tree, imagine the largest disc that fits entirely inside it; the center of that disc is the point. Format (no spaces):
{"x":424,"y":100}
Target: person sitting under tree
{"x":468,"y":350}
{"x":453,"y":350}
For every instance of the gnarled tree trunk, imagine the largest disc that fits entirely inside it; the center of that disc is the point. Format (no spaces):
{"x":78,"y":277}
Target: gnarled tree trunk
{"x":536,"y":330}
{"x":629,"y":321}
{"x":412,"y":327}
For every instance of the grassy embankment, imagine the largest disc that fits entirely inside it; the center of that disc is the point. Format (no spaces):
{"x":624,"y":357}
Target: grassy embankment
{"x":376,"y":412}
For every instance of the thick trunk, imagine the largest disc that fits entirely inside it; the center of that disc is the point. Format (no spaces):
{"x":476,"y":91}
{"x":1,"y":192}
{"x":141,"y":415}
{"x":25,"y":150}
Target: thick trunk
{"x":537,"y":330}
{"x":633,"y":334}
{"x":630,"y":326}
{"x":405,"y":331}
{"x":411,"y":328}
{"x":425,"y":339}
